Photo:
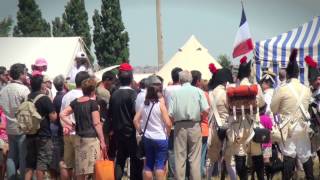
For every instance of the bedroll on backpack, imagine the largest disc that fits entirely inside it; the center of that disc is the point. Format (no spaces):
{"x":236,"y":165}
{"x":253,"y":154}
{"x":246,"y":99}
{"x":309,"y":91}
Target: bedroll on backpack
{"x":242,"y":98}
{"x":28,"y":118}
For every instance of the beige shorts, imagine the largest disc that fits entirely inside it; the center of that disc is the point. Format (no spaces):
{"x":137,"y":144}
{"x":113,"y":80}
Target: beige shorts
{"x":69,"y":152}
{"x":87,"y":152}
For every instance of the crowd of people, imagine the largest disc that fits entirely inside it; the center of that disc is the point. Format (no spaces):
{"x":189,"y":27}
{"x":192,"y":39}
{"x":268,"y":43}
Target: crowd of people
{"x":191,"y":128}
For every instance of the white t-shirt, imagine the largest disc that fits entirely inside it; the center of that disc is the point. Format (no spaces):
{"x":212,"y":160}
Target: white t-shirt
{"x":156,"y":128}
{"x":140,"y":99}
{"x":67,"y":99}
{"x":74,"y":71}
{"x":168,"y":91}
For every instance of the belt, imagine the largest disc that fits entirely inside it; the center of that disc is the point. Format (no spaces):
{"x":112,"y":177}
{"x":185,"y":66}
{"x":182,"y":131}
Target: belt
{"x":186,"y":121}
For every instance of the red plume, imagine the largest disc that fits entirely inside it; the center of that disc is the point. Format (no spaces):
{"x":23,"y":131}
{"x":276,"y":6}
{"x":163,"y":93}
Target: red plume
{"x":310,"y":62}
{"x":213,"y":68}
{"x":243,"y":60}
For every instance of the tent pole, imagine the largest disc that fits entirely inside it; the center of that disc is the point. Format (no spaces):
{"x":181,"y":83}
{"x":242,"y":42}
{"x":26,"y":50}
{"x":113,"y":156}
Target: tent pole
{"x":159,"y":35}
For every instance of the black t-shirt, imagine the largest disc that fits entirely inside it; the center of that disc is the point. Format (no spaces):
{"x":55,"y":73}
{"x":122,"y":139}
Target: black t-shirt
{"x":44,"y":107}
{"x":83,"y":115}
{"x":122,"y":111}
{"x":56,"y":127}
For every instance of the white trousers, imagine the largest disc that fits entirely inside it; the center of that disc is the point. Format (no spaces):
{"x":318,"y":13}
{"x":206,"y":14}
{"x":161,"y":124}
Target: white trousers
{"x":297,"y":144}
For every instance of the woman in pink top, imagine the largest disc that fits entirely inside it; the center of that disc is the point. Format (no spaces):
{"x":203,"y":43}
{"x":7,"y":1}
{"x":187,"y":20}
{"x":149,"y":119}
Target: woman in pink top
{"x":4,"y":147}
{"x":266,"y":122}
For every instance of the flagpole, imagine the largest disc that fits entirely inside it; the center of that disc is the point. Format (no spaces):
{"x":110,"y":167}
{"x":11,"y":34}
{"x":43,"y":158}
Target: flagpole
{"x":159,"y":35}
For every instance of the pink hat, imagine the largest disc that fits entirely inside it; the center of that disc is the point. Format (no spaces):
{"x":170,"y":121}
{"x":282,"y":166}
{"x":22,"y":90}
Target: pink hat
{"x":41,"y":62}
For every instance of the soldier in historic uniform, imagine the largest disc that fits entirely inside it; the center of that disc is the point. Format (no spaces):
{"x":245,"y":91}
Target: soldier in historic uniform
{"x":267,"y":84}
{"x":291,"y":102}
{"x":314,"y":107}
{"x":244,"y":146}
{"x":218,"y":122}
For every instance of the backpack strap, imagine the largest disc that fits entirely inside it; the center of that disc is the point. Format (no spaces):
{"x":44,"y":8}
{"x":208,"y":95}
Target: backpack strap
{"x":214,"y":115}
{"x":37,"y":98}
{"x":299,"y":101}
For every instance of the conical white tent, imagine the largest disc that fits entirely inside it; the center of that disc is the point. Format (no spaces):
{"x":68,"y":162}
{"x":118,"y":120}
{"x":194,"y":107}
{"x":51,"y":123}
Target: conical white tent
{"x":59,"y":52}
{"x":191,"y":56}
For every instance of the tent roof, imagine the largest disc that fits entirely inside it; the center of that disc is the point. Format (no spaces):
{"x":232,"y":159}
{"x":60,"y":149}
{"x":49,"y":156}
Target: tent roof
{"x":99,"y":74}
{"x":274,"y":53}
{"x":191,"y":56}
{"x":58,"y":51}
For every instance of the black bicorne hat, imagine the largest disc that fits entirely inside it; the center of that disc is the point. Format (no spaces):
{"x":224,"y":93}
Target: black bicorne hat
{"x":293,"y":68}
{"x":244,"y":68}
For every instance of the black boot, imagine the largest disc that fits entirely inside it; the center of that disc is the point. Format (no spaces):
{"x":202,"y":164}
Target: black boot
{"x":288,"y":167}
{"x":308,"y":169}
{"x":258,"y":166}
{"x":241,"y":167}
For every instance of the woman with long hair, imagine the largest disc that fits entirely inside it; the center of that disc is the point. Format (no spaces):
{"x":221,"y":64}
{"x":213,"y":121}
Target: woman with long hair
{"x":155,"y":128}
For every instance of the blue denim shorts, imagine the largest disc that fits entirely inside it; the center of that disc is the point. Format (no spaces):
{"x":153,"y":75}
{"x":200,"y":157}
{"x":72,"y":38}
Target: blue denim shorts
{"x":156,"y":152}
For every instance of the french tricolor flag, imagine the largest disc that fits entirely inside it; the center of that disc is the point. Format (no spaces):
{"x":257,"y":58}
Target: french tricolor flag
{"x":243,"y":43}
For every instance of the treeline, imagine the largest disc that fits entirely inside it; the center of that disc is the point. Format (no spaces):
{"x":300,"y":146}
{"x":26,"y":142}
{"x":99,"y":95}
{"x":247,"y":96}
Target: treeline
{"x":109,"y":36}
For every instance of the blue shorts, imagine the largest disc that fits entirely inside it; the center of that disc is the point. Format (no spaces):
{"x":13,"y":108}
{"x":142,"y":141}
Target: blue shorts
{"x":156,"y":152}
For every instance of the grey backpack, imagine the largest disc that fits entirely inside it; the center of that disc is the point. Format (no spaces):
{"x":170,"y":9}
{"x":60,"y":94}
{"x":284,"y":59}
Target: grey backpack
{"x":28,"y":118}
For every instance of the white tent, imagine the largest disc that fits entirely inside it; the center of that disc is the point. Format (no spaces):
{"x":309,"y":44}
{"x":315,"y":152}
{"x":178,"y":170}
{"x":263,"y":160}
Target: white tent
{"x":99,"y":74}
{"x":191,"y":56}
{"x":58,"y":51}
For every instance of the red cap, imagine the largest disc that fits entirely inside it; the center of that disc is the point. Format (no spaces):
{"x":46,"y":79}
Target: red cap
{"x":310,"y":62}
{"x":243,"y":60}
{"x":125,"y":67}
{"x":213,"y":68}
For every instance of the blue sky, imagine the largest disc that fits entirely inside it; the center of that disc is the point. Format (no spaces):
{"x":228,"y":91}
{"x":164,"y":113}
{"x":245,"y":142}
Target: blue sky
{"x":213,"y":22}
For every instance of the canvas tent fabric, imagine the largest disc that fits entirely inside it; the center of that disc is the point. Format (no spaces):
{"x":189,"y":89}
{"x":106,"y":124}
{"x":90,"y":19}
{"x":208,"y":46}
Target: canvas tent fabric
{"x":191,"y":56}
{"x":99,"y":74}
{"x":274,"y":53}
{"x":59,"y":52}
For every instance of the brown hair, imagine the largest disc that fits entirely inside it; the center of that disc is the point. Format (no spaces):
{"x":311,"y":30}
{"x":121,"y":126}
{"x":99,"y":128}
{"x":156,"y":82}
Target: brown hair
{"x":152,"y":95}
{"x":88,"y":86}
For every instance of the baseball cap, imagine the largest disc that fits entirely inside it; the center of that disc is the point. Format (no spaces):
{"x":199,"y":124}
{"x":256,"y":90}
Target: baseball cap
{"x":41,"y":62}
{"x":81,"y":55}
{"x":153,"y":79}
{"x":46,"y":78}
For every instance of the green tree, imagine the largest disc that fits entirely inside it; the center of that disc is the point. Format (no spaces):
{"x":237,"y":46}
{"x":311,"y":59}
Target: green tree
{"x":5,"y":26}
{"x":29,"y":21}
{"x":224,"y":61}
{"x":60,"y":28}
{"x":76,"y":17}
{"x":109,"y":35}
{"x":74,"y":22}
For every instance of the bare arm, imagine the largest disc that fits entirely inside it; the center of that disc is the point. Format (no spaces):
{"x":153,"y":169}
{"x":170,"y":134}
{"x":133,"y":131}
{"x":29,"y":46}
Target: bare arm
{"x":64,"y":116}
{"x":98,"y":127}
{"x":165,"y":115}
{"x":53,"y":116}
{"x":136,"y":121}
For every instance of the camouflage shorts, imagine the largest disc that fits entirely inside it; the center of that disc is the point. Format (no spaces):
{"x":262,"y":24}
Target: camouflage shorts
{"x":45,"y":154}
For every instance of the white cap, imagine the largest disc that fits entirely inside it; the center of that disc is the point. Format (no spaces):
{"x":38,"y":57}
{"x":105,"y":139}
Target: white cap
{"x":81,"y":55}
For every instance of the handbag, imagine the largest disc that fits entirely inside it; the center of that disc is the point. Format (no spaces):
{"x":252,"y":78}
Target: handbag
{"x":140,"y":147}
{"x":261,"y":135}
{"x":104,"y":170}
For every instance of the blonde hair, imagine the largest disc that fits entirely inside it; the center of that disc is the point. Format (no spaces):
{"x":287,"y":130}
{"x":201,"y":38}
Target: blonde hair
{"x":88,"y":86}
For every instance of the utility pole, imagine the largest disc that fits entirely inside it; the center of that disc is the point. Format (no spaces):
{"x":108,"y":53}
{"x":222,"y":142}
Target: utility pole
{"x":159,"y":35}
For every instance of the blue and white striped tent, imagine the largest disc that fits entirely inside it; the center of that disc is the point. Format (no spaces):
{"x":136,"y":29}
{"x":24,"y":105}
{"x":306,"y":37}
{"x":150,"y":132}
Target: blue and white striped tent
{"x":274,"y":53}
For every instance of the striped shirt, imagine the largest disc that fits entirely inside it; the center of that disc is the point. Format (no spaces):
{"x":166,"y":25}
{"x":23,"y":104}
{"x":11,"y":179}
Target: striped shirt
{"x":11,"y":97}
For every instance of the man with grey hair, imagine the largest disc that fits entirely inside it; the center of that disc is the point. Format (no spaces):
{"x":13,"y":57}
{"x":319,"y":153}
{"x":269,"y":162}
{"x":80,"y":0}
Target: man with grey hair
{"x":185,"y":107}
{"x":56,"y":127}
